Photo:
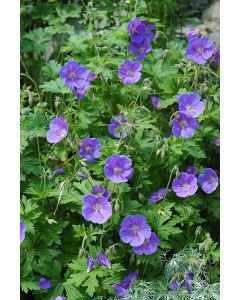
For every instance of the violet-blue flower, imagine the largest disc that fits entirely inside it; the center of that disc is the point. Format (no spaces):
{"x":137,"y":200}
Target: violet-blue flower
{"x":118,"y":168}
{"x":199,"y":50}
{"x":190,"y":104}
{"x":155,"y":197}
{"x":130,"y":71}
{"x":90,"y":263}
{"x":137,"y":30}
{"x":217,"y":141}
{"x":174,"y":286}
{"x":134,"y":230}
{"x":90,"y":149}
{"x":72,"y":73}
{"x":185,"y":185}
{"x":140,"y":49}
{"x":149,"y":26}
{"x":44,"y":283}
{"x":80,"y":90}
{"x":189,"y":276}
{"x":217,"y":56}
{"x":155,"y":101}
{"x":209,"y":180}
{"x":96,"y":209}
{"x":60,"y":298}
{"x":192,"y":170}
{"x":58,"y":130}
{"x":22,"y":231}
{"x":113,"y":127}
{"x":192,"y":33}
{"x":184,"y":126}
{"x":58,"y":171}
{"x":101,"y":191}
{"x":102,"y":259}
{"x":149,"y":246}
{"x":121,"y":288}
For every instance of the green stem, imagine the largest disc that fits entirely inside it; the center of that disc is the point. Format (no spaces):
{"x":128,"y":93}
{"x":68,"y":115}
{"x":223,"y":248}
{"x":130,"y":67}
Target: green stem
{"x":169,"y":180}
{"x":35,"y":85}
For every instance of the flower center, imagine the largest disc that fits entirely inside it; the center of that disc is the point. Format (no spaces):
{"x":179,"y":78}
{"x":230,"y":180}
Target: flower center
{"x":61,"y":132}
{"x":97,"y":208}
{"x":183,"y":123}
{"x":146,"y":242}
{"x":211,"y":179}
{"x":189,"y":107}
{"x":200,"y":50}
{"x":135,"y":229}
{"x":88,"y":149}
{"x":129,"y":72}
{"x":141,"y":49}
{"x":186,"y":186}
{"x":117,"y":170}
{"x":72,"y":75}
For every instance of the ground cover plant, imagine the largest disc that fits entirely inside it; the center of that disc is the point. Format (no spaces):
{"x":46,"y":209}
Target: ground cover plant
{"x":119,"y":154}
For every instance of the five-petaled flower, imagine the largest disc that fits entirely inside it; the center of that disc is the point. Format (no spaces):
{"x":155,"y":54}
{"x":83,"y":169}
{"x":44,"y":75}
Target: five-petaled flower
{"x":72,"y":73}
{"x":185,"y":185}
{"x":58,"y":130}
{"x":90,"y":149}
{"x":140,"y":49}
{"x":130,"y":71}
{"x":121,"y":288}
{"x":209,"y":180}
{"x":190,"y":104}
{"x":199,"y":50}
{"x":149,"y":246}
{"x":184,"y":126}
{"x":44,"y":283}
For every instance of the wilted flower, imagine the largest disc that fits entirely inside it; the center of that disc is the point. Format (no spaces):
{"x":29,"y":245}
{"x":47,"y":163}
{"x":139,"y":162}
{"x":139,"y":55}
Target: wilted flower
{"x":102,"y":259}
{"x":199,"y":50}
{"x":217,"y":56}
{"x":158,"y":195}
{"x":121,"y":288}
{"x":44,"y":283}
{"x":155,"y":101}
{"x":90,"y":148}
{"x":22,"y":231}
{"x":185,"y":185}
{"x":190,"y":104}
{"x":217,"y":142}
{"x":58,"y":130}
{"x":137,"y":30}
{"x":192,"y":33}
{"x":149,"y":246}
{"x":80,"y":90}
{"x":184,"y":126}
{"x":116,"y":122}
{"x":192,"y":170}
{"x":134,"y":230}
{"x":96,"y":209}
{"x":58,"y":171}
{"x":72,"y":73}
{"x":209,"y":180}
{"x":140,"y":49}
{"x":101,"y":191}
{"x":130,"y":71}
{"x":118,"y":168}
{"x":174,"y":286}
{"x":60,"y":298}
{"x":90,"y":263}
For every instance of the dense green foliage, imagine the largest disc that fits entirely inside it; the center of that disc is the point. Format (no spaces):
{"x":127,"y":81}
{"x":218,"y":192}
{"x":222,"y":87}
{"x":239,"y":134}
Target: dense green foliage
{"x":57,"y":244}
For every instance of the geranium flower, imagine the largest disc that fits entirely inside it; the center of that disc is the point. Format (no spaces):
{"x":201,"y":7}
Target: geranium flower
{"x":185,"y":185}
{"x":130,"y":71}
{"x":155,"y":101}
{"x":102,"y":259}
{"x":118,"y":168}
{"x":192,"y":170}
{"x":80,"y":90}
{"x":58,"y":171}
{"x":140,"y":49}
{"x":155,"y":197}
{"x":217,"y":56}
{"x":217,"y":142}
{"x":149,"y":26}
{"x":184,"y":126}
{"x":174,"y":286}
{"x":22,"y":231}
{"x":190,"y":104}
{"x":209,"y":180}
{"x":60,"y":298}
{"x":101,"y":191}
{"x":90,"y":263}
{"x":134,"y":230}
{"x":189,"y":276}
{"x":121,"y":288}
{"x":199,"y":50}
{"x":116,"y":122}
{"x":137,"y":30}
{"x":58,"y":130}
{"x":192,"y":33}
{"x":90,"y":149}
{"x":96,"y":209}
{"x":72,"y":73}
{"x":149,"y":246}
{"x":44,"y":283}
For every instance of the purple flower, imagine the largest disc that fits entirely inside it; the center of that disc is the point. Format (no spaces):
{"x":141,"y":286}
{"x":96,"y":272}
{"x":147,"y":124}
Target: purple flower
{"x":199,"y":50}
{"x":90,"y":263}
{"x":89,"y":149}
{"x":96,"y":209}
{"x":209,"y":180}
{"x":81,"y":175}
{"x":217,"y":56}
{"x":80,"y":90}
{"x":22,"y":231}
{"x":44,"y":283}
{"x":118,"y":168}
{"x":184,"y":126}
{"x":134,"y":230}
{"x":158,"y":195}
{"x":188,"y":286}
{"x":217,"y":142}
{"x":192,"y":170}
{"x":174,"y":286}
{"x":72,"y":73}
{"x":137,"y":30}
{"x":116,"y":122}
{"x":185,"y":185}
{"x":190,"y":104}
{"x":192,"y":33}
{"x":102,"y":259}
{"x":149,"y":26}
{"x":189,"y":276}
{"x":58,"y":171}
{"x":91,"y":76}
{"x":140,"y":49}
{"x":130,"y":71}
{"x":149,"y":246}
{"x":58,"y":130}
{"x":121,"y":288}
{"x":101,"y":191}
{"x":60,"y":298}
{"x":155,"y":101}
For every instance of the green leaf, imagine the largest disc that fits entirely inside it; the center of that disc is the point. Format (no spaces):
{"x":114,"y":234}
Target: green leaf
{"x":29,"y":286}
{"x":72,"y":292}
{"x":56,"y":86}
{"x":91,"y":283}
{"x":51,"y":69}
